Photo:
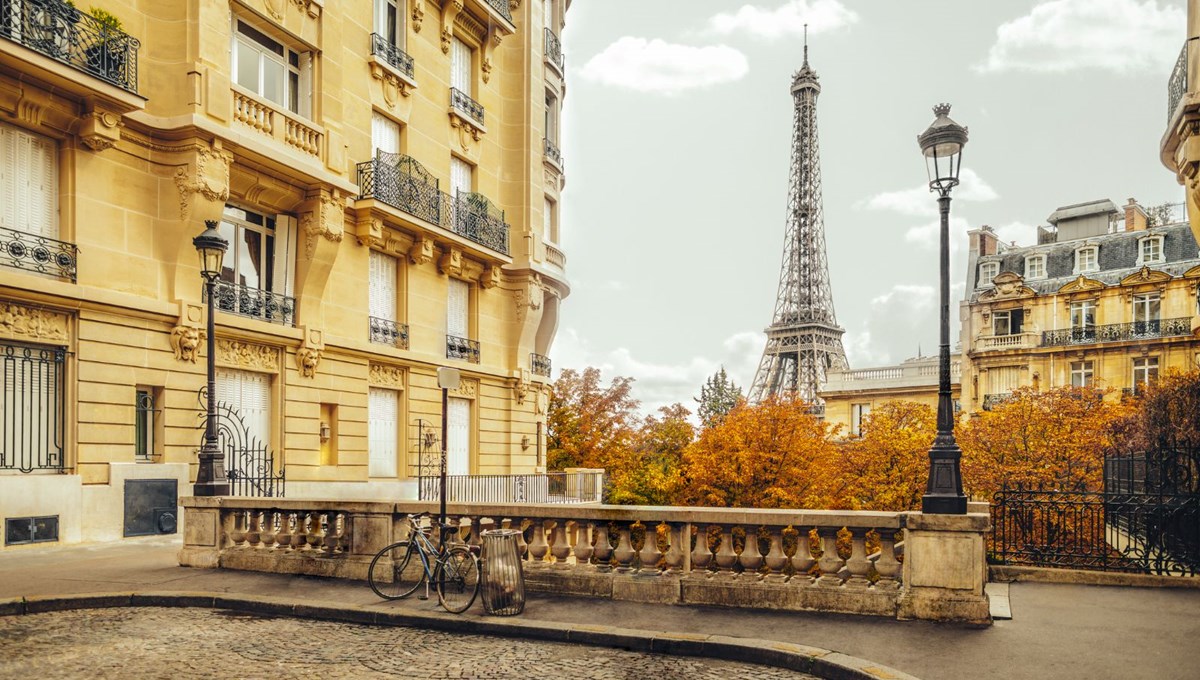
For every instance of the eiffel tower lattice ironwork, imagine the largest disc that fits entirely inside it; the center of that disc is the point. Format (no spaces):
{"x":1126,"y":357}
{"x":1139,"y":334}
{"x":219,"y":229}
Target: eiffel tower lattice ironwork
{"x":804,"y":340}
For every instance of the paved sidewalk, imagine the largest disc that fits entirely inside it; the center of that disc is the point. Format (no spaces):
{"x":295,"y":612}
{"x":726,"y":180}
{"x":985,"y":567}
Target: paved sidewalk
{"x":1057,"y":631}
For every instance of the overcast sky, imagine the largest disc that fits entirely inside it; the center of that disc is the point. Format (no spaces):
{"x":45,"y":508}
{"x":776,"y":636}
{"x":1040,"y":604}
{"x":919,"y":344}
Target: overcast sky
{"x":677,"y":135}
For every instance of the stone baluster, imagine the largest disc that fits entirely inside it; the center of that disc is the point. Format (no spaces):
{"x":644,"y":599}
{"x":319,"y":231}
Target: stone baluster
{"x":858,"y":564}
{"x":473,"y":537}
{"x":802,"y":560}
{"x":283,"y":535}
{"x":776,"y":560}
{"x":830,"y":562}
{"x":725,"y":556}
{"x":522,"y":547}
{"x":269,"y":528}
{"x":315,"y":536}
{"x":624,"y":552}
{"x":237,"y":528}
{"x":335,"y":527}
{"x":561,"y":548}
{"x":254,"y":530}
{"x":649,"y":555}
{"x":583,"y":543}
{"x":538,"y":547}
{"x":674,"y":557}
{"x":886,"y":565}
{"x":702,"y":554}
{"x":602,"y":549}
{"x":751,"y":557}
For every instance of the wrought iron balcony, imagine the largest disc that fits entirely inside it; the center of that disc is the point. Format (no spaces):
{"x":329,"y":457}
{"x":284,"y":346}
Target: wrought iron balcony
{"x":462,"y":348}
{"x":255,"y":303}
{"x":554,"y":51}
{"x":1117,"y":332}
{"x":1177,"y":84}
{"x":550,"y":150}
{"x":465,"y":105}
{"x":991,"y":400}
{"x":35,"y":253}
{"x":501,"y":7}
{"x":77,"y":39}
{"x":477,"y":218}
{"x":386,"y":332}
{"x":392,"y":55}
{"x":539,"y":364}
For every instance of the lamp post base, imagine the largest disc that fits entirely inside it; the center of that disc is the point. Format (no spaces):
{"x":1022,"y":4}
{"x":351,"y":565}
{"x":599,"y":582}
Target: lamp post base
{"x":943,"y":491}
{"x":210,"y":477}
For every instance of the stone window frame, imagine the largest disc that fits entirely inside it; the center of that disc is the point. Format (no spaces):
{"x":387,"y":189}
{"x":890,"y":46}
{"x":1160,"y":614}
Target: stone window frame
{"x":1085,"y":369}
{"x":1094,"y":250}
{"x":304,"y":67}
{"x":1040,"y":259}
{"x":984,"y":280}
{"x":1153,"y":240}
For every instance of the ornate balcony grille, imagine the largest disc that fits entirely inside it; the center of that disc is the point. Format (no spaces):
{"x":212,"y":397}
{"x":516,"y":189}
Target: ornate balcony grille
{"x":501,"y":7}
{"x":462,"y":348}
{"x":387,"y":332}
{"x":991,"y":400}
{"x":67,"y":35}
{"x":551,"y":152}
{"x":42,"y":254}
{"x":1117,"y":332}
{"x":554,"y":50}
{"x":254,"y":303}
{"x":1177,"y":84}
{"x":403,"y":183}
{"x":477,"y":218}
{"x":539,"y":364}
{"x":465,"y":105}
{"x":33,"y":406}
{"x":394,"y":56}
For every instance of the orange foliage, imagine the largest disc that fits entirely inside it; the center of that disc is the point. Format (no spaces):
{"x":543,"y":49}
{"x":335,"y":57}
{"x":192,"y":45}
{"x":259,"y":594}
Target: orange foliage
{"x":887,"y":467}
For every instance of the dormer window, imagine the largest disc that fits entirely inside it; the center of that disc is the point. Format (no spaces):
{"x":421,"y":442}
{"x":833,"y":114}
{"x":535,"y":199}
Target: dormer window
{"x":1150,"y":250}
{"x":1035,"y":267}
{"x":1087,"y":259}
{"x":987,"y":272}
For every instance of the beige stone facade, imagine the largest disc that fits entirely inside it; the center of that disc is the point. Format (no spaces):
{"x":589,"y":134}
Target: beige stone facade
{"x":1180,"y":146}
{"x":851,"y":395}
{"x":408,"y":137}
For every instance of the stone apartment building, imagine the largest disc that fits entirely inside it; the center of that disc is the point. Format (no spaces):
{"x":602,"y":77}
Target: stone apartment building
{"x":388,"y":175}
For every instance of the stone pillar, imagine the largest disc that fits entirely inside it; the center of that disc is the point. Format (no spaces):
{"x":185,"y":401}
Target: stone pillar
{"x":945,"y":569}
{"x":202,"y":535}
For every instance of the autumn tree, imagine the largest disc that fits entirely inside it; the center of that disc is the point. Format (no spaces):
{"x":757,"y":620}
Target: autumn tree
{"x":651,"y":475}
{"x":588,"y":425}
{"x":718,"y":396}
{"x":886,"y":468}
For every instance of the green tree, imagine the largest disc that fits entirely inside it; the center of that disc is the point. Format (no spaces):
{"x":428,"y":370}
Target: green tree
{"x":718,"y":396}
{"x":652,"y":473}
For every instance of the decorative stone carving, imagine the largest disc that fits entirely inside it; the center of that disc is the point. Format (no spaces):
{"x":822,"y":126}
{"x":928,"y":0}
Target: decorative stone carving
{"x":1146,"y":275}
{"x":543,"y":401}
{"x":307,"y":360}
{"x":383,"y":375}
{"x":529,"y":297}
{"x":326,"y":220}
{"x":451,"y":262}
{"x":466,"y":389}
{"x":274,"y":8}
{"x":447,"y":34}
{"x":239,"y":354}
{"x":29,"y":323}
{"x":1008,"y":286}
{"x":185,"y":340}
{"x":514,"y":5}
{"x":418,"y":14}
{"x":369,"y":230}
{"x":485,"y":68}
{"x":421,"y":251}
{"x":101,"y":130}
{"x":1081,"y":284}
{"x":521,"y":387}
{"x":466,"y":130}
{"x":490,"y":277}
{"x":209,"y":178}
{"x":391,"y":84}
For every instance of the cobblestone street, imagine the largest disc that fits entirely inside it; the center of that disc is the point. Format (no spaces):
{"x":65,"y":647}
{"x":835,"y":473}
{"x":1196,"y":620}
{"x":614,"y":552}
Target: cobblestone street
{"x":149,"y":643}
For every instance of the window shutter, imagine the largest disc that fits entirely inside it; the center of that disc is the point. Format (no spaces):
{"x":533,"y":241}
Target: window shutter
{"x":460,"y":67}
{"x":549,"y":14}
{"x":547,"y":227}
{"x":9,"y":171}
{"x":28,"y":182}
{"x":383,"y":409}
{"x":385,"y":133}
{"x":1004,"y":379}
{"x":249,"y":395}
{"x":383,"y":286}
{"x":457,"y":308}
{"x":458,"y":437}
{"x":460,"y":176}
{"x":284,"y":263}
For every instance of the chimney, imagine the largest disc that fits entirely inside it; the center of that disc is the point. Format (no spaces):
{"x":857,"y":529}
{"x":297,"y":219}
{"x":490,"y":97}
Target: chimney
{"x":984,"y":241}
{"x":1135,"y":216}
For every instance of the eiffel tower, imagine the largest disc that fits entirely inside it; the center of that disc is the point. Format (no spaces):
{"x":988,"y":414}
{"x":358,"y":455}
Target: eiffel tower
{"x":804,"y":340}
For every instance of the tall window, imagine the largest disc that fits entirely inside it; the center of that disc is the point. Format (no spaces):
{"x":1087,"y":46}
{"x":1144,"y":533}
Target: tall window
{"x":1087,"y":259}
{"x":388,"y":18}
{"x":1035,"y":267}
{"x":550,"y":228}
{"x":1145,"y":372}
{"x":249,"y":395}
{"x":383,"y":432}
{"x":549,"y":16}
{"x":272,"y":70}
{"x":28,"y":182}
{"x":1008,"y":322}
{"x":461,"y":176}
{"x":385,"y":133}
{"x":145,"y":445}
{"x":857,"y":413}
{"x":458,"y":436}
{"x":460,"y":67}
{"x":458,"y":307}
{"x":382,"y":286}
{"x":1004,"y":379}
{"x":1081,"y":373}
{"x":1147,"y":308}
{"x":1083,"y":319}
{"x":1150,"y":250}
{"x":551,"y":118}
{"x":250,"y":260}
{"x":32,"y":407}
{"x":987,"y":272}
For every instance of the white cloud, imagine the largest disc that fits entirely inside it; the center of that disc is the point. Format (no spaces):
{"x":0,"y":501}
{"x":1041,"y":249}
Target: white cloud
{"x":905,"y":317}
{"x":920,"y":202}
{"x":1122,"y":36}
{"x":787,"y":19}
{"x":665,"y":68}
{"x":1017,"y":232}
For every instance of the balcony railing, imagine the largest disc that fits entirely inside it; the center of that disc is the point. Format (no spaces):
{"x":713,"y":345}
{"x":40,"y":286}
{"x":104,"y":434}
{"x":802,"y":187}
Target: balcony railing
{"x":462,"y":348}
{"x":555,"y":257}
{"x":477,"y":218}
{"x":42,"y":254}
{"x":1117,"y":332}
{"x":1001,"y":342}
{"x":554,"y":51}
{"x":465,"y":105}
{"x":501,"y":7}
{"x":386,"y":332}
{"x":255,"y":303}
{"x":392,"y":55}
{"x":280,"y":125}
{"x":551,"y":152}
{"x":560,"y":488}
{"x":72,"y":37}
{"x":539,"y":364}
{"x":1177,"y":85}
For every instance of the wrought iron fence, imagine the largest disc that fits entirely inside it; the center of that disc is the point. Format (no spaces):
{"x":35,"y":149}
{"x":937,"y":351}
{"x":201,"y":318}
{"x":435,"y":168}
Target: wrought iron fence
{"x":462,"y":348}
{"x":554,"y":49}
{"x":1117,"y":332}
{"x":552,"y":487}
{"x":32,"y":414}
{"x":32,"y":252}
{"x":143,"y":437}
{"x":254,"y":303}
{"x":249,"y":461}
{"x":387,"y":332}
{"x":63,"y":33}
{"x":394,"y":56}
{"x":465,"y":105}
{"x":1177,"y":84}
{"x":550,"y":150}
{"x":478,"y":219}
{"x":539,"y":364}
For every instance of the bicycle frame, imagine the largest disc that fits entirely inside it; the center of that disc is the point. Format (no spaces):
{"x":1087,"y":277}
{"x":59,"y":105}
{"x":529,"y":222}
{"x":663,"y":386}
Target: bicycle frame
{"x":425,"y":547}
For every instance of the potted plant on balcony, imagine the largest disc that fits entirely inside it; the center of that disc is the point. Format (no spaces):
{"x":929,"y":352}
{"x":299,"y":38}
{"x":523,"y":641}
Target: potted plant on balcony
{"x":107,"y":53}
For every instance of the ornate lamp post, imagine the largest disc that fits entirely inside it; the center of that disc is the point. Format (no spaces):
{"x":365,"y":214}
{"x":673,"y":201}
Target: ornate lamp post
{"x":942,"y":144}
{"x":210,"y":478}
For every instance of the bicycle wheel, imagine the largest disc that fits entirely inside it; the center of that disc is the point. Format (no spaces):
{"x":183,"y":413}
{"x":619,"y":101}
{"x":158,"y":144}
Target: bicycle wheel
{"x":457,"y":579}
{"x":396,"y":571}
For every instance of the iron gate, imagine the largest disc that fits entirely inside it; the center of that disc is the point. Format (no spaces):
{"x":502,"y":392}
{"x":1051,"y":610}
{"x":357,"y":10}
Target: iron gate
{"x":32,"y":422}
{"x":249,"y":462}
{"x":429,"y":458}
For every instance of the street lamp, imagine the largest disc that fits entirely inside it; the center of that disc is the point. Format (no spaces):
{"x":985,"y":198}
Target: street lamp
{"x":210,"y":478}
{"x":942,"y":144}
{"x":448,"y":379}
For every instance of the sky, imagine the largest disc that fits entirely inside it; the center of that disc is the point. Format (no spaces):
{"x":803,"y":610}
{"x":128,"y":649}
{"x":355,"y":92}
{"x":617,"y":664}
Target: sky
{"x":676,"y":137}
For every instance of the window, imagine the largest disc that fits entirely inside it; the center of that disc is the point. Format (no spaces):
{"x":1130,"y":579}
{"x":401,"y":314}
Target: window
{"x":550,"y":228}
{"x":460,"y":67}
{"x":549,"y":16}
{"x":258,"y":255}
{"x":1146,"y":310}
{"x":383,"y":432}
{"x":32,"y":407}
{"x":249,"y":395}
{"x":18,"y":530}
{"x":145,"y":415}
{"x":1150,"y":250}
{"x":458,"y":436}
{"x":385,"y":133}
{"x":1081,"y":374}
{"x":987,"y":272}
{"x":461,"y":176}
{"x":458,"y":303}
{"x":28,"y":182}
{"x":271,"y":70}
{"x":1008,"y":322}
{"x":1083,"y":320}
{"x":857,"y":413}
{"x":1004,"y":380}
{"x":1145,"y":372}
{"x":551,"y":118}
{"x":1087,"y":260}
{"x":382,"y":286}
{"x":388,"y":19}
{"x":1035,"y":267}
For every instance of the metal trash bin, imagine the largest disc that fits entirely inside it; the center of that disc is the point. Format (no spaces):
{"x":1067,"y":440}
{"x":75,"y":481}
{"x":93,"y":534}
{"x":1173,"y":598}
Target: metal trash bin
{"x":503,"y":575}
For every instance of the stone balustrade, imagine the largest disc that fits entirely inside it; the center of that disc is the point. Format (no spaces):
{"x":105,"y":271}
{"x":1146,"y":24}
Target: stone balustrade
{"x":771,"y":559}
{"x":282,"y":126}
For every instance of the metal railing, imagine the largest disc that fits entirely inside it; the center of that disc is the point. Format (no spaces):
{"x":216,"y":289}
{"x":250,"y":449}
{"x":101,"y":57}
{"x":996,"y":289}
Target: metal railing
{"x":1177,"y":84}
{"x":552,"y":487}
{"x":33,"y":430}
{"x":387,"y":332}
{"x":539,"y":364}
{"x":392,"y":55}
{"x":462,"y":348}
{"x":477,"y":218}
{"x":501,"y":7}
{"x":42,"y":254}
{"x":551,"y":152}
{"x":554,"y":51}
{"x":465,"y":105}
{"x":1117,"y":332}
{"x":254,"y":303}
{"x":77,"y":39}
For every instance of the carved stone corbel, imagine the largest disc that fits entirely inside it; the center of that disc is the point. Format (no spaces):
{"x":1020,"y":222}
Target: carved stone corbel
{"x":529,"y":297}
{"x":368,"y":230}
{"x":521,"y":386}
{"x":418,"y":14}
{"x":421,"y":251}
{"x":450,"y":9}
{"x":308,"y":357}
{"x":185,"y":341}
{"x":325,"y":218}
{"x":490,"y":278}
{"x":451,"y":262}
{"x":101,"y":130}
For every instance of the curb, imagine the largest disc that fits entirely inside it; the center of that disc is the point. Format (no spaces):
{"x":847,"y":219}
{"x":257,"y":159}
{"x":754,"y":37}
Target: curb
{"x":822,"y":663}
{"x":1003,"y":573}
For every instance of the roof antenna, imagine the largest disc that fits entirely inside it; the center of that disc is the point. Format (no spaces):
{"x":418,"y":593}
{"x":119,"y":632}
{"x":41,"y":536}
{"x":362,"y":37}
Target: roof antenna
{"x":806,"y":44}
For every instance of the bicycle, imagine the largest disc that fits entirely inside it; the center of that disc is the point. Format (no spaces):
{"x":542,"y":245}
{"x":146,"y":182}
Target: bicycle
{"x":399,"y":569}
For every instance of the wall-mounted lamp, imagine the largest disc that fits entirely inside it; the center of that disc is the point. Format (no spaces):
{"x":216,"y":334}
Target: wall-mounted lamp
{"x":325,"y":432}
{"x":524,"y":442}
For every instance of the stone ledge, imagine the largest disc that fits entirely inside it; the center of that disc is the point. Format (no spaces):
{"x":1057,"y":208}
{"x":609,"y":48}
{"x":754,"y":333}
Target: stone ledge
{"x":974,"y":523}
{"x":1015,"y":574}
